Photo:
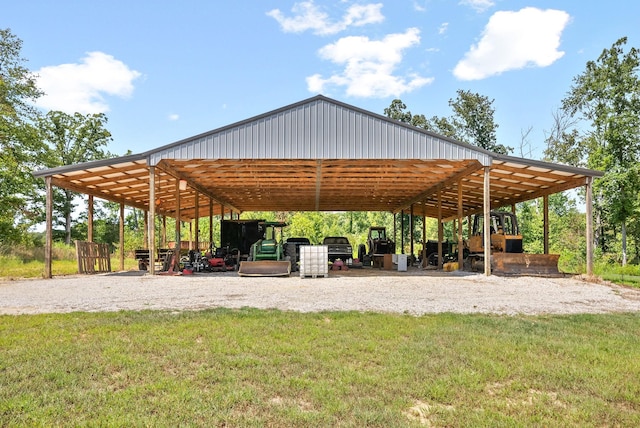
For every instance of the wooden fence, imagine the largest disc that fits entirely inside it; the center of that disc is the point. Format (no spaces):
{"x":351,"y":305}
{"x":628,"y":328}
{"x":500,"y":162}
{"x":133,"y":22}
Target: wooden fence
{"x":93,"y":257}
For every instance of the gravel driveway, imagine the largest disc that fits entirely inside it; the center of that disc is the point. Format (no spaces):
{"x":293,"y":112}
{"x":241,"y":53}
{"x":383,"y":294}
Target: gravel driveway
{"x":415,"y":292}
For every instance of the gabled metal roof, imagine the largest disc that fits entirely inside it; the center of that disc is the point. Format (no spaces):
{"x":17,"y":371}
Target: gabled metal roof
{"x":317,"y":155}
{"x":320,"y":128}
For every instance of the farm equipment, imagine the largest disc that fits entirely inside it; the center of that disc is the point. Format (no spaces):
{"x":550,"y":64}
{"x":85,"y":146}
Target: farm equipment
{"x":378,"y":244}
{"x":266,"y":257}
{"x":507,"y":256}
{"x":449,"y":253}
{"x":292,"y":250}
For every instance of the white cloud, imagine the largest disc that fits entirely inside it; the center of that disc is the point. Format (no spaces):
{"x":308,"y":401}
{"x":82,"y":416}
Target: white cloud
{"x":81,"y":87}
{"x":308,"y":16}
{"x":173,"y":117}
{"x":478,"y":5}
{"x":369,"y":66}
{"x":420,"y":7}
{"x":514,"y":40}
{"x":443,"y":28}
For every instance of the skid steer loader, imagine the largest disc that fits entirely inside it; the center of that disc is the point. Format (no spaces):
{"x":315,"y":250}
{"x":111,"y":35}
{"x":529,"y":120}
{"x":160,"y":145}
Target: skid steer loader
{"x":507,"y":256}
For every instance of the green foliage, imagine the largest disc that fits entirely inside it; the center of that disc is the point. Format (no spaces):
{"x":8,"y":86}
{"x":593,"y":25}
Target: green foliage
{"x":72,"y":139}
{"x":472,"y":120}
{"x":249,"y":367}
{"x":20,"y":147}
{"x":607,"y":97}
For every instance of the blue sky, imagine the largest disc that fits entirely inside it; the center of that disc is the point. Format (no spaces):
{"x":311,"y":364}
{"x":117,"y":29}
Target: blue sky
{"x":163,"y":71}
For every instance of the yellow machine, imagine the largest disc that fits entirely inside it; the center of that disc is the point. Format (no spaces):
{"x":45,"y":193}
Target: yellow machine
{"x":507,"y":256}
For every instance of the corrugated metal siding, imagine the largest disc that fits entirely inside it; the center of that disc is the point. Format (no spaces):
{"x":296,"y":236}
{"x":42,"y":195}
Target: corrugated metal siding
{"x":318,"y":129}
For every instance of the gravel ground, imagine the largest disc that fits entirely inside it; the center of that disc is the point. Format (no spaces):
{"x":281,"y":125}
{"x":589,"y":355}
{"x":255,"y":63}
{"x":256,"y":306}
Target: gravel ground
{"x":415,"y":292}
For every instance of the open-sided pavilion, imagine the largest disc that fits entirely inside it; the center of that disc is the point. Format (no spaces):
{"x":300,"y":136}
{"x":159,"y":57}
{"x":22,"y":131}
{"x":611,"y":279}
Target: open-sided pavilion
{"x":318,"y":154}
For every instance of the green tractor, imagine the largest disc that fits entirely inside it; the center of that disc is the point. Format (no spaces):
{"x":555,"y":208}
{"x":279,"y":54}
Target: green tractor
{"x":268,"y":247}
{"x":266,"y":257}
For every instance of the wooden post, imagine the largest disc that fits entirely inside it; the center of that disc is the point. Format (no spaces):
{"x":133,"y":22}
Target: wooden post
{"x":487,"y":220}
{"x":121,"y":237}
{"x":460,"y":240}
{"x":440,"y":229}
{"x":424,"y":255}
{"x":48,"y":246}
{"x":411,"y":227}
{"x":152,"y":220}
{"x":163,"y":232}
{"x":589,"y":224}
{"x":545,"y":223}
{"x":90,"y":219}
{"x":176,"y":267}
{"x":145,"y":220}
{"x":395,"y":234}
{"x":197,"y":220}
{"x":402,"y":232}
{"x":211,"y":224}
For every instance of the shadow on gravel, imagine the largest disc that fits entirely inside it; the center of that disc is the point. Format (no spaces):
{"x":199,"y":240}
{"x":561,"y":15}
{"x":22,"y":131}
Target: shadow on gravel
{"x":128,"y":273}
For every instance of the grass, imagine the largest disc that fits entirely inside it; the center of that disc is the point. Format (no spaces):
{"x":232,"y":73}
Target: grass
{"x":270,"y":368}
{"x":12,"y":267}
{"x":625,"y":275}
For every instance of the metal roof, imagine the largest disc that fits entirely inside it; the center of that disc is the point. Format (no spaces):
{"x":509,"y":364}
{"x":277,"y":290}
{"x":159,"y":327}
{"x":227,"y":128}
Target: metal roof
{"x":317,"y":155}
{"x":319,"y":128}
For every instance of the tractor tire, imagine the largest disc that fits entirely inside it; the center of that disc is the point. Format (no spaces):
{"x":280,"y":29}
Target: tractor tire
{"x":432,"y":259}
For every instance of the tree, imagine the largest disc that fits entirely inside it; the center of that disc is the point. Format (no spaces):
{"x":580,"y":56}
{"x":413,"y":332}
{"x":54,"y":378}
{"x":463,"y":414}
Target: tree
{"x":472,"y":121}
{"x":72,"y":139}
{"x":607,"y":96}
{"x":20,"y":147}
{"x":473,"y":118}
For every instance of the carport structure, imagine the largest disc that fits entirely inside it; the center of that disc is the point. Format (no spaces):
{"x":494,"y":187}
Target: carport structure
{"x":318,"y":154}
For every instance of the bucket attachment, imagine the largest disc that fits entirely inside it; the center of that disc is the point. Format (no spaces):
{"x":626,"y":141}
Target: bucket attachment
{"x":265,"y":268}
{"x":525,"y":264}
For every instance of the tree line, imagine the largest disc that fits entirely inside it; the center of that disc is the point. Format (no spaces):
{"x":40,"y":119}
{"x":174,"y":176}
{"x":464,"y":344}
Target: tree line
{"x":596,"y":127}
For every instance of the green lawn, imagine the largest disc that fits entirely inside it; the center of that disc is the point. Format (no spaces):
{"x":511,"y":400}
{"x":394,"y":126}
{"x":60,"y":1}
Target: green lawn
{"x":270,"y":368}
{"x":13,"y":268}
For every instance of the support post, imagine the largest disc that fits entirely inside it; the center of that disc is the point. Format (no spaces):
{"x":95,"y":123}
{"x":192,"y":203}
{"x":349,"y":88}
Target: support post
{"x":487,"y":220}
{"x":424,"y":254}
{"x":146,"y":227}
{"x":402,"y":232}
{"x":440,"y":230}
{"x":411,"y":227}
{"x":460,"y":240}
{"x":197,"y":221}
{"x":121,"y":238}
{"x":178,"y":241}
{"x":48,"y":246}
{"x":589,"y":224}
{"x":545,"y":223}
{"x":210,"y":224}
{"x":163,"y":232}
{"x":395,"y":234}
{"x":90,"y":219}
{"x":152,"y":220}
